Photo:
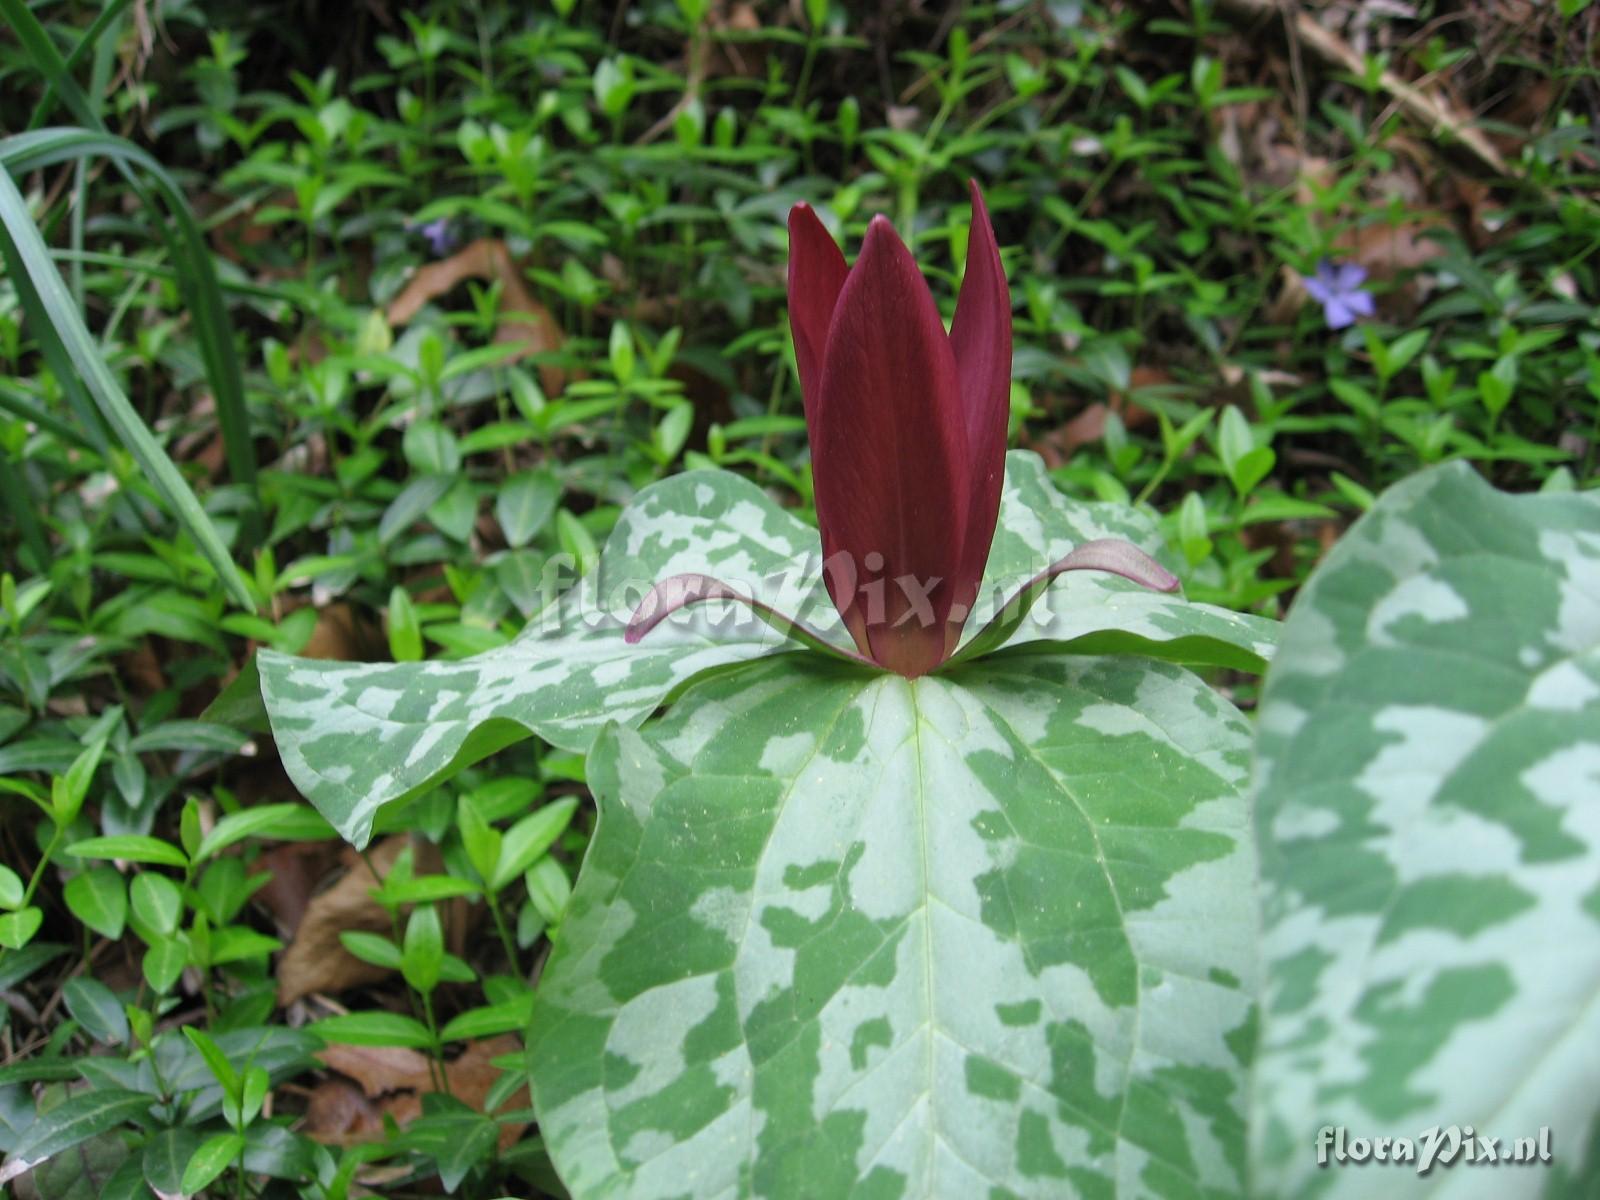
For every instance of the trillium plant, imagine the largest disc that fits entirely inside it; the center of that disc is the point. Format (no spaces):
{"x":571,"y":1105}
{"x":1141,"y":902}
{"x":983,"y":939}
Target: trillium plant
{"x":933,"y":858}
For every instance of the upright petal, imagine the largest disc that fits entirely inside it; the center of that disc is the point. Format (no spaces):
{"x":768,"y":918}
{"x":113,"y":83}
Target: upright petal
{"x":980,"y":336}
{"x":816,"y":273}
{"x":890,"y":458}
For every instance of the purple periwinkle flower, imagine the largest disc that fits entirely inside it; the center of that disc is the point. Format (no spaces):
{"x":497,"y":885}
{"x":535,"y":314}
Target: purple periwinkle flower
{"x":1337,"y":287}
{"x":439,"y":233}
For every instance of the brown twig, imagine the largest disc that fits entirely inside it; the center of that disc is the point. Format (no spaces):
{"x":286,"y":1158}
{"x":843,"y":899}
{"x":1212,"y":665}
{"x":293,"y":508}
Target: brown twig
{"x":1419,"y":105}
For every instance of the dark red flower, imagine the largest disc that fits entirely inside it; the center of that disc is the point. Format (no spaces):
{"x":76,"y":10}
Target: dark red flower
{"x":908,"y":442}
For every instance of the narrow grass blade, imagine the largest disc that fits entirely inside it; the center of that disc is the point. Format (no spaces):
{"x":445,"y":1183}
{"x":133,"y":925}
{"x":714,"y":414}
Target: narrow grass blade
{"x":25,"y":247}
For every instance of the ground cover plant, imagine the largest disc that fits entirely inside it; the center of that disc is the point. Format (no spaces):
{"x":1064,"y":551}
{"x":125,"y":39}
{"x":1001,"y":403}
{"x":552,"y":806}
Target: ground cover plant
{"x":437,"y":746}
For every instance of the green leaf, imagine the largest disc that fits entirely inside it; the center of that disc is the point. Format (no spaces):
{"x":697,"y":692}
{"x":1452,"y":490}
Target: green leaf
{"x":525,"y":503}
{"x":422,"y":954}
{"x":96,"y":1007}
{"x":990,"y":933}
{"x":78,"y":1118}
{"x":166,"y":1154}
{"x":549,"y":889}
{"x":199,"y":736}
{"x":99,"y":898}
{"x":1090,"y":612}
{"x":281,"y":822}
{"x":431,"y":449}
{"x":479,"y":839}
{"x":456,"y":1137}
{"x":371,"y":948}
{"x":213,"y":1157}
{"x":493,"y":1019}
{"x":355,"y":736}
{"x":216,"y":1061}
{"x":11,"y":888}
{"x":1428,"y":762}
{"x":17,"y":928}
{"x":156,"y":903}
{"x":164,"y":962}
{"x":525,"y":842}
{"x":405,"y":632}
{"x":374,"y":1029}
{"x":73,"y":787}
{"x":131,"y":848}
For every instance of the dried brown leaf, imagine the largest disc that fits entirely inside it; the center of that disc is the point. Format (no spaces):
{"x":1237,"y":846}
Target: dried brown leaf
{"x":398,"y":1078}
{"x":316,"y":960}
{"x":522,"y":318}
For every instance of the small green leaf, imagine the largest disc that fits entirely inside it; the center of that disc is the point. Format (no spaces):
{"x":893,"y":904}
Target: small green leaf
{"x":17,"y":928}
{"x":68,"y":799}
{"x":371,"y":948}
{"x":96,"y":1007}
{"x":576,"y":542}
{"x":11,"y":888}
{"x":213,"y":1157}
{"x":491,"y":1020}
{"x":164,"y":962}
{"x":526,"y":841}
{"x":405,"y":632}
{"x":130,"y":848}
{"x":549,"y":889}
{"x":166,"y":1153}
{"x":456,"y":1137}
{"x":99,"y":898}
{"x":374,"y":1029}
{"x":422,"y":954}
{"x":281,"y":822}
{"x":480,"y":839}
{"x":216,"y":1061}
{"x":156,"y":904}
{"x":78,"y":1118}
{"x":431,"y":449}
{"x":620,"y":352}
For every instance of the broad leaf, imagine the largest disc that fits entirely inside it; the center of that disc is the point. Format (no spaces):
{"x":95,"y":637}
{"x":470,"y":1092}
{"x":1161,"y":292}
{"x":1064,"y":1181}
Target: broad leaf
{"x":987,"y":933}
{"x":356,"y":736}
{"x":1090,"y":612}
{"x":1428,"y":795}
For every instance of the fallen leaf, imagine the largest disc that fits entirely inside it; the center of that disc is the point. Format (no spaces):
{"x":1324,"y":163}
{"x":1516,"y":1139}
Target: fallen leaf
{"x":522,"y":318}
{"x":398,"y":1078}
{"x":343,"y":634}
{"x":293,"y":869}
{"x":338,"y":1114}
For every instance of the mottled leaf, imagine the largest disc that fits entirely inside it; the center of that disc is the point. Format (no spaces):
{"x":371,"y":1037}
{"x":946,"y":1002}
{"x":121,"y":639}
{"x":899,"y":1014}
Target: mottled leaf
{"x":1428,"y":792}
{"x":1091,"y":612}
{"x":356,"y":736}
{"x":989,"y":933}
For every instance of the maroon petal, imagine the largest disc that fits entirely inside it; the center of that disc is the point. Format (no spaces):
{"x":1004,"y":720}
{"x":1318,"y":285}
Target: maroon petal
{"x":816,"y":273}
{"x":889,"y":456}
{"x":680,"y":591}
{"x":1103,"y":554}
{"x":980,"y":336}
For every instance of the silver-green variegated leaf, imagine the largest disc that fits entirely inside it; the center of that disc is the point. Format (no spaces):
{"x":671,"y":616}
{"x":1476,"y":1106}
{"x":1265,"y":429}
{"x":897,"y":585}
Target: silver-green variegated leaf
{"x":1090,"y":612}
{"x":356,"y":736}
{"x":1428,"y":792}
{"x":986,"y":934}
